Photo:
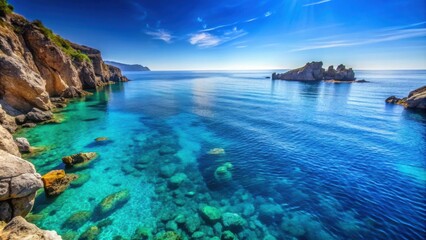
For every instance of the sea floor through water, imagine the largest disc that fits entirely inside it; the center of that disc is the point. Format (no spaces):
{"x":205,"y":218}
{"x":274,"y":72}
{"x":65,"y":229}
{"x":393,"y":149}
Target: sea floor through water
{"x":231,"y":155}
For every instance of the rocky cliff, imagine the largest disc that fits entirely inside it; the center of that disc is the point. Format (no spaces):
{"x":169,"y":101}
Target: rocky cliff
{"x":37,"y":65}
{"x":313,"y":71}
{"x":416,"y":99}
{"x":38,"y":71}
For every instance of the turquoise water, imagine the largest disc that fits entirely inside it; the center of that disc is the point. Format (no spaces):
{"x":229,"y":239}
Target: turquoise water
{"x":309,"y":160}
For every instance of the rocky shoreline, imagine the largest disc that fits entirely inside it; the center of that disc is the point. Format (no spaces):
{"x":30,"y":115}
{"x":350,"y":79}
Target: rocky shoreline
{"x":40,"y":72}
{"x":416,"y":99}
{"x":314,"y":71}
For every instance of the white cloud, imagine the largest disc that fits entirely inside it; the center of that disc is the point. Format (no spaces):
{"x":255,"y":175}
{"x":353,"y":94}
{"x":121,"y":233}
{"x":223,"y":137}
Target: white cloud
{"x":383,"y":35}
{"x":267,"y":14}
{"x":207,"y":40}
{"x":160,"y":34}
{"x":251,"y":20}
{"x":316,"y":3}
{"x":204,"y":40}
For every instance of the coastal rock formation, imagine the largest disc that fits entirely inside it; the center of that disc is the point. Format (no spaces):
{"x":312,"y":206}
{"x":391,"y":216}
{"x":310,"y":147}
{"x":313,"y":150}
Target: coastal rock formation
{"x":313,"y":71}
{"x":36,"y":65}
{"x":7,"y":121}
{"x":57,"y":181}
{"x":18,"y":228}
{"x":18,"y":185}
{"x":113,"y":201}
{"x":416,"y":99}
{"x":23,"y":145}
{"x":7,"y":143}
{"x":79,"y":158}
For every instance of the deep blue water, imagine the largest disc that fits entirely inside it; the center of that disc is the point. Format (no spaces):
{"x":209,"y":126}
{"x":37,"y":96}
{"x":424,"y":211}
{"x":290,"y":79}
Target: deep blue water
{"x":310,"y":160}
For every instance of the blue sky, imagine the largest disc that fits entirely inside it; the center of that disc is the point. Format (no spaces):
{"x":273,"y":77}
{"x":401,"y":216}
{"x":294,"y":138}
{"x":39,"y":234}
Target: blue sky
{"x":242,"y":34}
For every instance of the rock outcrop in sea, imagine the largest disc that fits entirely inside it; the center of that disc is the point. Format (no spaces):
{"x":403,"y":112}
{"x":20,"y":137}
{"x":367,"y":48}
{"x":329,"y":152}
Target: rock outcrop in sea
{"x":313,"y":71}
{"x":416,"y":99}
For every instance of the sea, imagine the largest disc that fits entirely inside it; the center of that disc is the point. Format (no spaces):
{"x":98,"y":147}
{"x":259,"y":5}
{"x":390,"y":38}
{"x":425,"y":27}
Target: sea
{"x":236,"y":155}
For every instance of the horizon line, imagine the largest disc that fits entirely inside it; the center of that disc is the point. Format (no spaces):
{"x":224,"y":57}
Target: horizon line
{"x":276,"y":69}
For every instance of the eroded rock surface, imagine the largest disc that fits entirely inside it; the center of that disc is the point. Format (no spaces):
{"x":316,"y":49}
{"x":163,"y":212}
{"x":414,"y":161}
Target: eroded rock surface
{"x":313,"y":71}
{"x":18,"y":185}
{"x":416,"y":99}
{"x":19,"y":228}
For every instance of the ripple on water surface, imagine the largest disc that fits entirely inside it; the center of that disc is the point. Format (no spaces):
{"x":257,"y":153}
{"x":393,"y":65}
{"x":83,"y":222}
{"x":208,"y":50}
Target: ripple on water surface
{"x":311,"y":161}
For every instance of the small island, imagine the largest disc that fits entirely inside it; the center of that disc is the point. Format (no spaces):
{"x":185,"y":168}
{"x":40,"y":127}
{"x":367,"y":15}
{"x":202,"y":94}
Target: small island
{"x":313,"y":71}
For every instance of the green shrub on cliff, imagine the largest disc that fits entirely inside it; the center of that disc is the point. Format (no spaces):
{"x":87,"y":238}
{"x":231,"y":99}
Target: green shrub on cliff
{"x":5,"y":8}
{"x":65,"y":45}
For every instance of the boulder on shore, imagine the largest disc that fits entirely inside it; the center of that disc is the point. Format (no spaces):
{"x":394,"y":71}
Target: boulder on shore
{"x":23,"y":145}
{"x":113,"y":201}
{"x":19,"y":228}
{"x":416,"y":99}
{"x":19,"y":183}
{"x":36,"y":115}
{"x":313,"y":71}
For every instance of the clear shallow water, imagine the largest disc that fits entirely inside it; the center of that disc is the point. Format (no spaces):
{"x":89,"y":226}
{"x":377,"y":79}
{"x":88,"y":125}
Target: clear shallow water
{"x":310,"y":160}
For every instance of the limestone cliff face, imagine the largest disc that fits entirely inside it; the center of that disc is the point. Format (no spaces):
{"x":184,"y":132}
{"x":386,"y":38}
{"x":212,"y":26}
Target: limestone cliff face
{"x":18,"y":185}
{"x":34,"y":67}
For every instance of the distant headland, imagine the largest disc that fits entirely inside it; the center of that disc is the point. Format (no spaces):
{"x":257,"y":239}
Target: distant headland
{"x":128,"y":67}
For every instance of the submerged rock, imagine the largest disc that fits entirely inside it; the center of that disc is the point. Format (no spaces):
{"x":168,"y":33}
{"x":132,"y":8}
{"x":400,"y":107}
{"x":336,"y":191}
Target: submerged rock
{"x":216,"y":151}
{"x":79,"y":158}
{"x":82,"y":179}
{"x":77,"y":220}
{"x":142,"y":233}
{"x":270,"y":212}
{"x":113,"y":201}
{"x":57,"y":181}
{"x":166,"y":150}
{"x":18,"y":228}
{"x":233,"y":221}
{"x":91,"y":233}
{"x":228,"y":235}
{"x":210,"y":214}
{"x":223,"y":173}
{"x":176,"y":180}
{"x":168,"y":170}
{"x":101,"y":139}
{"x":192,"y":223}
{"x":170,"y":235}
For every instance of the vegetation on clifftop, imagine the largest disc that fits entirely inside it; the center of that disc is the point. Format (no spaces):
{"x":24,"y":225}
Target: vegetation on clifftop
{"x":5,"y":8}
{"x":65,"y":45}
